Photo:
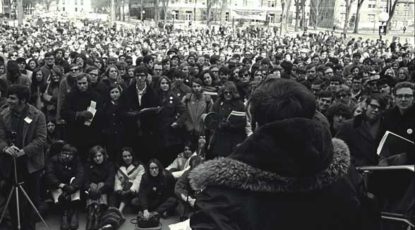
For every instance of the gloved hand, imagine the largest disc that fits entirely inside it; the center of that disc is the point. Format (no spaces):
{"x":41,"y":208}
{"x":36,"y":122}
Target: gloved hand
{"x":84,"y":115}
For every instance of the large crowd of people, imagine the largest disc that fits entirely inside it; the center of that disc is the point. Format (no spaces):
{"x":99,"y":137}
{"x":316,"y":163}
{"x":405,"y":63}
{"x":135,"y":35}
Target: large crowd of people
{"x":101,"y":117}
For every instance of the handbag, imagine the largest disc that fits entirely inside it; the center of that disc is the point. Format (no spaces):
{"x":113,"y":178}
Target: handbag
{"x":153,"y":222}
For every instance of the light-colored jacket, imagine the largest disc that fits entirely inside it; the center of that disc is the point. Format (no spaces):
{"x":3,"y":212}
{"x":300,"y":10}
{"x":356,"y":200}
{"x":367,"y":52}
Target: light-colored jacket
{"x":133,"y":173}
{"x":180,"y":165}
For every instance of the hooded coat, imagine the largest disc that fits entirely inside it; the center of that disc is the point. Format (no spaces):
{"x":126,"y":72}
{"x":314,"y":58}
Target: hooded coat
{"x":289,"y":174}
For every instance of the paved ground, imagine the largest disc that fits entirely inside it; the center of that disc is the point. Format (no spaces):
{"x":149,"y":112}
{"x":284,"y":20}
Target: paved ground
{"x":53,"y":222}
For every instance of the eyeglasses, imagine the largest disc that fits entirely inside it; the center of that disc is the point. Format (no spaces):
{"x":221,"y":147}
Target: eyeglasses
{"x":227,"y":93}
{"x":402,"y":96}
{"x":342,"y":95}
{"x":374,"y":106}
{"x":154,"y":168}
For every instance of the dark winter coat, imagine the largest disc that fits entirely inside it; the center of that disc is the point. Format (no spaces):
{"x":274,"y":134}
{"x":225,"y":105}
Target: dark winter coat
{"x":155,"y":191}
{"x":113,"y":129}
{"x":80,"y":135}
{"x":361,"y":143}
{"x":403,"y":125}
{"x":140,"y":128}
{"x":287,"y":175}
{"x":230,"y":132}
{"x":58,"y":172}
{"x":172,"y":111}
{"x":104,"y":172}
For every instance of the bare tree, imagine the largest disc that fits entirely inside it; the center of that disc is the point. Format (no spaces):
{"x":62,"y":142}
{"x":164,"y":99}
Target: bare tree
{"x":356,"y":23}
{"x":285,"y":6}
{"x":165,"y":5}
{"x":156,"y":11}
{"x":391,"y":6}
{"x":315,"y":12}
{"x":209,"y":6}
{"x":346,"y":18}
{"x":299,"y":9}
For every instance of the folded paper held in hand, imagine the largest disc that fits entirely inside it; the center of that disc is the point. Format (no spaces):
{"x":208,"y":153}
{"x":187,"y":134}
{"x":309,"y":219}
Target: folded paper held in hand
{"x":92,"y":109}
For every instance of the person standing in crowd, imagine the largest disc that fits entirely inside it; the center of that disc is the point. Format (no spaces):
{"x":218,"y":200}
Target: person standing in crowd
{"x":401,"y":120}
{"x":23,"y":137}
{"x":362,"y":133}
{"x":178,"y":86}
{"x":138,"y":104}
{"x":81,"y":111}
{"x":13,"y":75}
{"x":38,"y":87}
{"x":170,"y":130}
{"x":297,"y":186}
{"x":49,"y":64}
{"x":21,"y":62}
{"x":113,"y":128}
{"x":231,"y":129}
{"x":196,"y":104}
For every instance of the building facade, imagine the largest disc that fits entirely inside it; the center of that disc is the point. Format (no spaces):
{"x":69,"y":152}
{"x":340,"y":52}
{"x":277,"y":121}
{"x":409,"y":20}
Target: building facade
{"x":332,"y":13}
{"x":71,"y":7}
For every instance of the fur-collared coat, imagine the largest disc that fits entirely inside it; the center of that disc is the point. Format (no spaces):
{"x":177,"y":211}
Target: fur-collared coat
{"x":289,"y":174}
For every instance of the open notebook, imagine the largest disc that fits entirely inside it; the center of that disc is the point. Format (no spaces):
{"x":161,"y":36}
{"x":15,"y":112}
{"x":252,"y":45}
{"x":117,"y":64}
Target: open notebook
{"x":392,"y":143}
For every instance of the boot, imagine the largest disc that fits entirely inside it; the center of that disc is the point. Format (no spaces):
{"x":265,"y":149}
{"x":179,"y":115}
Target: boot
{"x":74,"y":222}
{"x":64,"y":220}
{"x":97,"y":217}
{"x":90,"y":217}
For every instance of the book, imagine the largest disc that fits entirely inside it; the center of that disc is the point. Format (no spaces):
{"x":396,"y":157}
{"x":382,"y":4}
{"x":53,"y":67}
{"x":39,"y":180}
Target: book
{"x":236,"y":117}
{"x":393,"y":144}
{"x":184,"y":225}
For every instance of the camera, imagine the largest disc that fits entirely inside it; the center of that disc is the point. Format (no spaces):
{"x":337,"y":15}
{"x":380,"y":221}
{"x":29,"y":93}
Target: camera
{"x":11,"y":137}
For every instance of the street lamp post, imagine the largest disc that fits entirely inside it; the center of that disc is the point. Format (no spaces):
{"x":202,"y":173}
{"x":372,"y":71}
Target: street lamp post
{"x":173,"y":13}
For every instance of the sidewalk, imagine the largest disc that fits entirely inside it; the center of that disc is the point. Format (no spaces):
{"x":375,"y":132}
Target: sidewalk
{"x":54,"y":222}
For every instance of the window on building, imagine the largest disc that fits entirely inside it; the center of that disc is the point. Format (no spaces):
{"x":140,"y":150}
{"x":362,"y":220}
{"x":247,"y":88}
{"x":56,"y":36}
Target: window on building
{"x":76,"y":9}
{"x":176,"y":14}
{"x":76,"y":2}
{"x":63,"y":9}
{"x":271,"y":3}
{"x":271,"y":18}
{"x":82,"y":2}
{"x":371,"y":17}
{"x":227,"y":16}
{"x":189,"y":15}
